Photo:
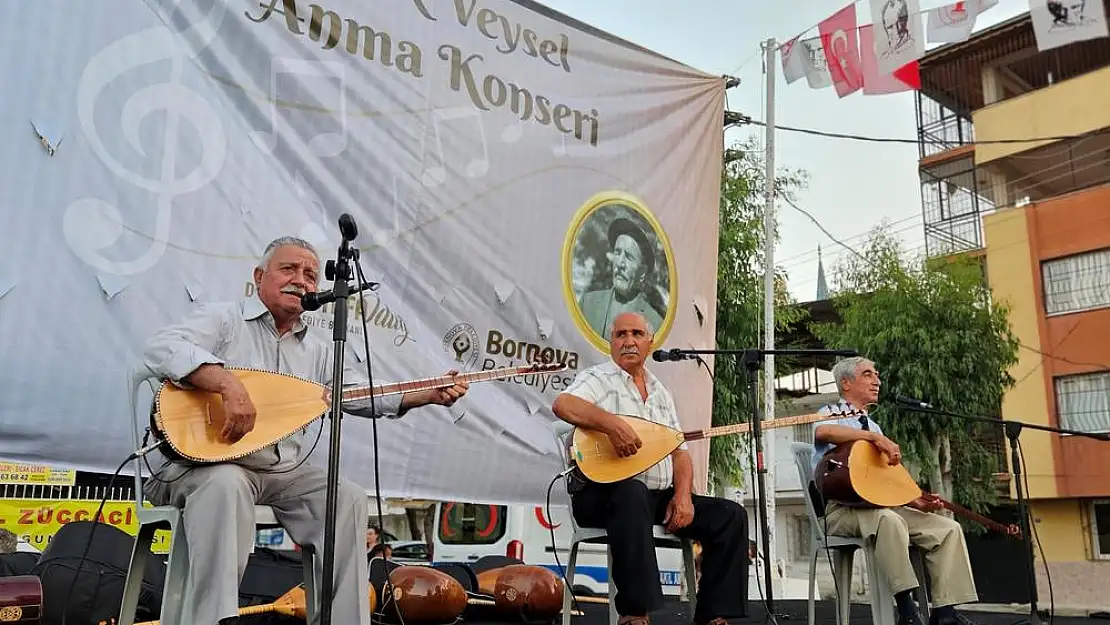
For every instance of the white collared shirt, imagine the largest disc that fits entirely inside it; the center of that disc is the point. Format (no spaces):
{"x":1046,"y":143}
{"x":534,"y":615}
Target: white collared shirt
{"x":611,"y":388}
{"x":243,"y":334}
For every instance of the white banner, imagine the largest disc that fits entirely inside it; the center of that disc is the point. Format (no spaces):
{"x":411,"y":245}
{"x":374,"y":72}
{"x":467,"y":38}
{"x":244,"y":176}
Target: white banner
{"x":483,"y":148}
{"x":898,"y":37}
{"x":1057,"y":24}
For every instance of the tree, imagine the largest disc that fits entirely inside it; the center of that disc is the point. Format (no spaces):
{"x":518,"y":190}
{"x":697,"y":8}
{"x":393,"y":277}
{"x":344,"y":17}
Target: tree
{"x":740,"y":266}
{"x":934,"y":333}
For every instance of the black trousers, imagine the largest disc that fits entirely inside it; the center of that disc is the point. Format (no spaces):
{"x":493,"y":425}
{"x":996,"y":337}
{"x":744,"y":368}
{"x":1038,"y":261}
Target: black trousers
{"x":627,"y":510}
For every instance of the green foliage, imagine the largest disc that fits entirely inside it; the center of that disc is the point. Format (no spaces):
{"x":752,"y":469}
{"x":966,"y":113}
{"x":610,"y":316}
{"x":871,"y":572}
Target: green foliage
{"x":740,"y":295}
{"x":934,"y":333}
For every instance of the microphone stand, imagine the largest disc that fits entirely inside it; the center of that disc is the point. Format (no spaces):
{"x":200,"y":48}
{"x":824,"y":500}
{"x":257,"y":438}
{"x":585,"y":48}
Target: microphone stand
{"x":1013,"y":430}
{"x":750,"y":360}
{"x":339,"y":272}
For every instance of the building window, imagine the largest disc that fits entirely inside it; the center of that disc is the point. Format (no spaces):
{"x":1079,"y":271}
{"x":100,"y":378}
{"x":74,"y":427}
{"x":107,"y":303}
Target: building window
{"x":800,"y":536}
{"x":803,"y":433}
{"x":1077,"y":282}
{"x":1083,"y":402}
{"x":1100,"y":529}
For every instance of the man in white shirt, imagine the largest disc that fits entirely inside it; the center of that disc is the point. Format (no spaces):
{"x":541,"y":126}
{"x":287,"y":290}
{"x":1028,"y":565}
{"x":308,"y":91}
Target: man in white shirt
{"x":264,"y":332}
{"x":893,"y":530}
{"x":662,"y":494}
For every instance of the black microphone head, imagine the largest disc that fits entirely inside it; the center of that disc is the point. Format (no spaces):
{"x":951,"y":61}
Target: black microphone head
{"x":347,"y":227}
{"x":310,"y":301}
{"x":910,"y":401}
{"x":660,"y":355}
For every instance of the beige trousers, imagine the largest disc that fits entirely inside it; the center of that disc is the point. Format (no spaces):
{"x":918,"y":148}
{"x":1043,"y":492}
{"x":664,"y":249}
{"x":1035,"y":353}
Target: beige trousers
{"x":894,"y":530}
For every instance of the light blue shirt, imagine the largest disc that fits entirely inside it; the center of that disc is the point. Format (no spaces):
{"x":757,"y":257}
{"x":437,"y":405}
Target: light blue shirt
{"x":819,"y":448}
{"x":243,"y":334}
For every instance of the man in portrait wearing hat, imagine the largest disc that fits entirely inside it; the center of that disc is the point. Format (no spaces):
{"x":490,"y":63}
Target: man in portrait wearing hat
{"x":632,"y":259}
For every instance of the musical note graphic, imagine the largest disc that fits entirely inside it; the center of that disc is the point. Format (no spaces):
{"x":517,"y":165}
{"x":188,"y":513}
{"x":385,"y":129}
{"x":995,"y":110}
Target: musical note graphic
{"x":313,"y":231}
{"x":382,"y":236}
{"x":478,"y":165}
{"x":561,"y":149}
{"x":325,"y":144}
{"x":91,"y":225}
{"x":513,"y":132}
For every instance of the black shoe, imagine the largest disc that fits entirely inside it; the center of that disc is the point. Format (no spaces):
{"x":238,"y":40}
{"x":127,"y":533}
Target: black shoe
{"x":914,"y":619}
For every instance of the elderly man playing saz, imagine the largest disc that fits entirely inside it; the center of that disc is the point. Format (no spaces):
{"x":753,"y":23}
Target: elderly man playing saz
{"x":265,"y":332}
{"x":662,"y":494}
{"x":893,"y":530}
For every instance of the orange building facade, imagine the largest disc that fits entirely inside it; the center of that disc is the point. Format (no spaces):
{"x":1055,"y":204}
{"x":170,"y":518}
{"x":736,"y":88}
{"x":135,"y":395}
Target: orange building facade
{"x":1038,"y":214}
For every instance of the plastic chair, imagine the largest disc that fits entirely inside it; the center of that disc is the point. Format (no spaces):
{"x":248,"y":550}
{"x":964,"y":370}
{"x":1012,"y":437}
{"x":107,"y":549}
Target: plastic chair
{"x":599,"y":536}
{"x":843,"y":549}
{"x":151,"y":519}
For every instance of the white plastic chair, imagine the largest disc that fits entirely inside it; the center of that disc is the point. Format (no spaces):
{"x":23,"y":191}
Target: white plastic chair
{"x":151,"y":519}
{"x":843,"y":549}
{"x":599,"y":536}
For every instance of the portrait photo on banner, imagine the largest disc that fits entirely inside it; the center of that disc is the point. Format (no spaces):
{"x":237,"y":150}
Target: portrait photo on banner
{"x":619,"y":260}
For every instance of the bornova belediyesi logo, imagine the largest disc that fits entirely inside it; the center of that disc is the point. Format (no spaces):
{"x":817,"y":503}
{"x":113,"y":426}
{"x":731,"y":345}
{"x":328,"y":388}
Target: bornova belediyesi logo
{"x":462,"y":342}
{"x":465,"y":347}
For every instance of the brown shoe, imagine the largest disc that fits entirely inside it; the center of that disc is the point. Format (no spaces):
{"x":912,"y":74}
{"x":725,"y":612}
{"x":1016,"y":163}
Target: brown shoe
{"x":717,"y":621}
{"x":634,"y":620}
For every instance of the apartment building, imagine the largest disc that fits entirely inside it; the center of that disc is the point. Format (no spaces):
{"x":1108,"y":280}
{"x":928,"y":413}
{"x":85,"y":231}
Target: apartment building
{"x":1037,"y":214}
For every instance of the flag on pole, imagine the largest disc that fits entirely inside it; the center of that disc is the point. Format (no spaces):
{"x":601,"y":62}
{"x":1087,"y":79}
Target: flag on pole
{"x":817,"y":67}
{"x":954,"y":23}
{"x":793,"y":60}
{"x":898,"y":34}
{"x":841,"y":46}
{"x":1059,"y":23}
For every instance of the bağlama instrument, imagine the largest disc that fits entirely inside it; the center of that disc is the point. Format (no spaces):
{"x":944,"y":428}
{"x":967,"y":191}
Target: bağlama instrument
{"x":595,"y":456}
{"x":857,"y":474}
{"x":21,"y":600}
{"x":190,"y":420}
{"x":421,"y":595}
{"x":292,"y":603}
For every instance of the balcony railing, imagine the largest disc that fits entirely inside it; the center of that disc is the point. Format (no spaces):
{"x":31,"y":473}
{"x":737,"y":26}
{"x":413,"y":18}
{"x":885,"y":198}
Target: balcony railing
{"x":940,"y":129}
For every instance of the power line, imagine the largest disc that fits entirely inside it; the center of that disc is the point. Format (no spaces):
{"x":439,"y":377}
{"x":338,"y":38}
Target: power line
{"x":742,"y":120}
{"x":862,"y":257}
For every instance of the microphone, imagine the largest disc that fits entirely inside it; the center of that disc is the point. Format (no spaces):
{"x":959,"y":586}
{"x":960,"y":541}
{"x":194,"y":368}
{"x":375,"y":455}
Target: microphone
{"x":664,"y":355}
{"x":913,"y":403}
{"x":313,"y":301}
{"x":347,"y":227}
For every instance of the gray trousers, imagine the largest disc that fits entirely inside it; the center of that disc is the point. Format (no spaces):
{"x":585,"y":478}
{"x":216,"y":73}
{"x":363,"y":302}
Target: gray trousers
{"x":218,"y":518}
{"x":894,"y":530}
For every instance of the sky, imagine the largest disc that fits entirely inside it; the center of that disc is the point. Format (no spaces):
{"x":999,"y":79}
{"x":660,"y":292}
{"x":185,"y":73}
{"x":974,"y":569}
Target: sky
{"x":853,"y":185}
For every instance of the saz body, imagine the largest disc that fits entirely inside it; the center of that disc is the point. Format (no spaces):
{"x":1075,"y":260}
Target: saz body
{"x":190,"y":421}
{"x":21,"y":600}
{"x":598,"y":460}
{"x":858,"y":475}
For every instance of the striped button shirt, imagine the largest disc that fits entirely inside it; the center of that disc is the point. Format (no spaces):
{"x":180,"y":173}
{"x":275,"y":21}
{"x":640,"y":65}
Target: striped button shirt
{"x":611,"y":388}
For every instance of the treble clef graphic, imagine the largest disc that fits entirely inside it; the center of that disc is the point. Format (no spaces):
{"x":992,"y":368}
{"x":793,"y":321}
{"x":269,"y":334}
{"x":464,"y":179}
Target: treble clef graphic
{"x":91,"y":224}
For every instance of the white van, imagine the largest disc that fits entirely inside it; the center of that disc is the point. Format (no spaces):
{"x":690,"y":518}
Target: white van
{"x":465,"y":532}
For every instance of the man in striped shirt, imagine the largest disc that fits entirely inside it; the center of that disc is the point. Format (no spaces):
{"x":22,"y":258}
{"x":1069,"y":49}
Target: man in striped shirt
{"x":663,"y":494}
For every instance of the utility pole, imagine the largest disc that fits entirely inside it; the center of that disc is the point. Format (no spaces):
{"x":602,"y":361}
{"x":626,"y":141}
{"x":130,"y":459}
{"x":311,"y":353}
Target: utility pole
{"x":769,"y":297}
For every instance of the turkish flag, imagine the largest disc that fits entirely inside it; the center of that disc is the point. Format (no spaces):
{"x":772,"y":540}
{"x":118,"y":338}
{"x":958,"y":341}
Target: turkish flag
{"x":905,"y":78}
{"x":841,"y":45}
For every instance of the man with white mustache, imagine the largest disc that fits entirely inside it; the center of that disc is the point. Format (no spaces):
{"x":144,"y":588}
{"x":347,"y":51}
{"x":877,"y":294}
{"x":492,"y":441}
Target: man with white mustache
{"x":661,"y":495}
{"x":265,"y":332}
{"x":893,"y":530}
{"x":632,"y":258}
